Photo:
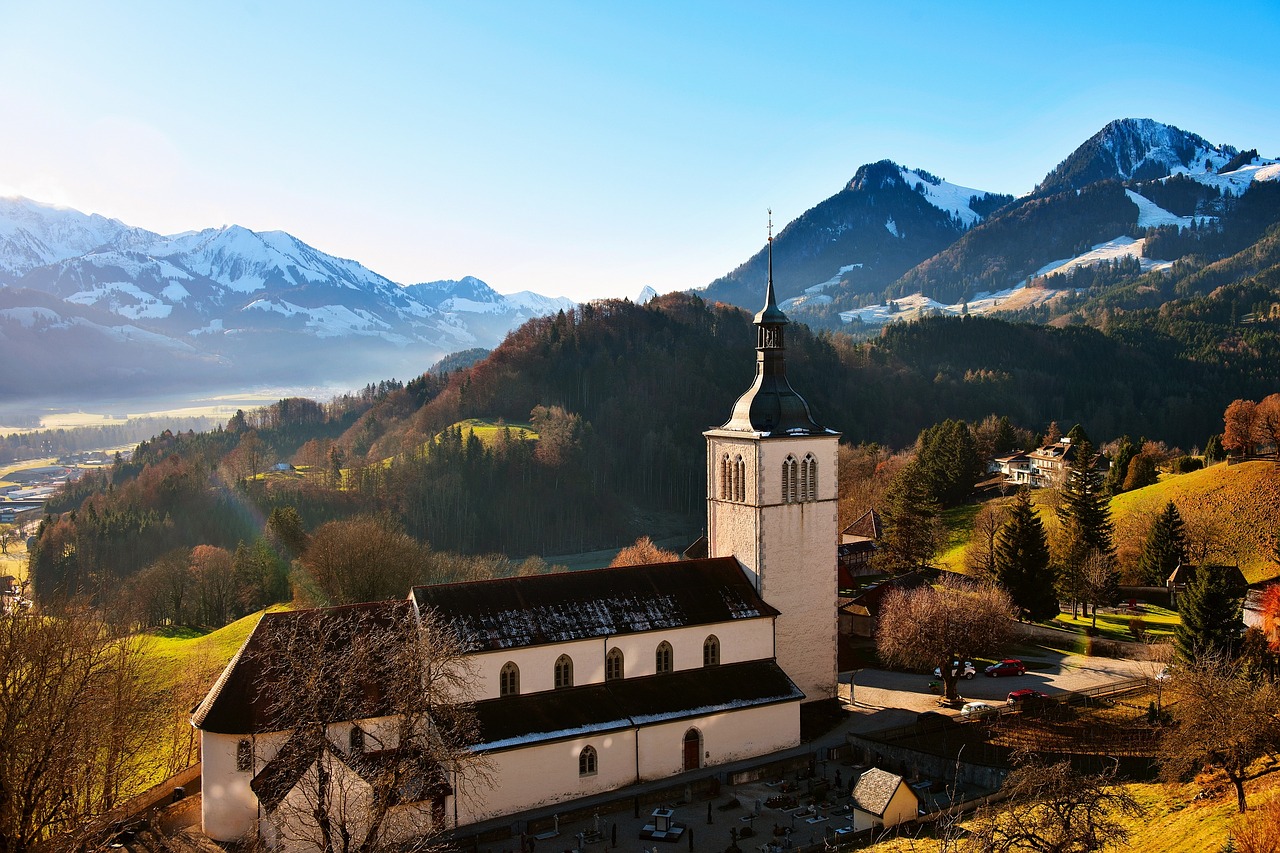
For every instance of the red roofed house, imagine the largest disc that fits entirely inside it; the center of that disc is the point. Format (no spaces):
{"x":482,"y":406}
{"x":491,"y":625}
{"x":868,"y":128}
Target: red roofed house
{"x":586,"y":682}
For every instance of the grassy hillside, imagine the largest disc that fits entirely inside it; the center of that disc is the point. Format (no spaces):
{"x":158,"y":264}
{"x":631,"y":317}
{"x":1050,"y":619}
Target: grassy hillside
{"x":1234,"y":506}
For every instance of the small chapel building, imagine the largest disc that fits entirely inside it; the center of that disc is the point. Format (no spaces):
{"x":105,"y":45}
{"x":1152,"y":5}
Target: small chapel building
{"x":586,"y":682}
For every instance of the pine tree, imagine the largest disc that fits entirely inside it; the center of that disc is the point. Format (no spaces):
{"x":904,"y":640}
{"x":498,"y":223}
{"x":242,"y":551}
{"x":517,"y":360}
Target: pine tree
{"x":1210,"y":610}
{"x":1085,"y":517}
{"x":1165,"y":548}
{"x":1114,"y":483}
{"x":1022,"y":560}
{"x":911,"y":522}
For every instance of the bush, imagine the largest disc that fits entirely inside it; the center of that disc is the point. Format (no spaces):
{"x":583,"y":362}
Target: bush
{"x":1186,"y":464}
{"x":1138,"y":628}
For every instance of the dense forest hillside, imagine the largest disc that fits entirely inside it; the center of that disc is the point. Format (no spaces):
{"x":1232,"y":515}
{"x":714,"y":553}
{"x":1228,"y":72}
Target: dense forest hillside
{"x":618,"y":395}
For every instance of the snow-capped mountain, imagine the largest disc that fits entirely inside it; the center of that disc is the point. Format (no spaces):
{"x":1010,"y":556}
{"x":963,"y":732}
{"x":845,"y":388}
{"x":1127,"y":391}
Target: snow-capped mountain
{"x":887,"y":219}
{"x":248,"y":300}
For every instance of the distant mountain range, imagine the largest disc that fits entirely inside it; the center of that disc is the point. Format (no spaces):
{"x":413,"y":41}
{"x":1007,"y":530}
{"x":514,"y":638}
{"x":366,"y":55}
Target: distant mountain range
{"x":86,"y":302}
{"x":91,"y":306}
{"x":898,"y":243}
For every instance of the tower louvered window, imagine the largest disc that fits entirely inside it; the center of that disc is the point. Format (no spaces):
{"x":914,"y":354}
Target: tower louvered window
{"x":790,"y":475}
{"x":740,"y":479}
{"x":726,"y":478}
{"x":809,"y":478}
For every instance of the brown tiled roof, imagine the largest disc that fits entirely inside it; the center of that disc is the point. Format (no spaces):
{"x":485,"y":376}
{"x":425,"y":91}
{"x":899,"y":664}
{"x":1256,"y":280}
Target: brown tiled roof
{"x":875,"y":789}
{"x":868,"y":524}
{"x":555,"y":608}
{"x":241,"y":700}
{"x":598,"y":708}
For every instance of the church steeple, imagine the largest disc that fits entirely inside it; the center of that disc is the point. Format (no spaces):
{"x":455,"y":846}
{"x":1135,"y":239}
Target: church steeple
{"x":771,"y":406}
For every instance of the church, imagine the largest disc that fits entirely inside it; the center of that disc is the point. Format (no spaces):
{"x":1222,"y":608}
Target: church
{"x":586,"y":682}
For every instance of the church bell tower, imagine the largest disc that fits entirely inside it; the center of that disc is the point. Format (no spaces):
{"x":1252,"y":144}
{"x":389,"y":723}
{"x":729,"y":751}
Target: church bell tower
{"x":772,"y":503}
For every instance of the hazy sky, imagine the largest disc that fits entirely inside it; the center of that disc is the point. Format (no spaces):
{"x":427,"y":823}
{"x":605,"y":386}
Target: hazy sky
{"x":584,"y":149}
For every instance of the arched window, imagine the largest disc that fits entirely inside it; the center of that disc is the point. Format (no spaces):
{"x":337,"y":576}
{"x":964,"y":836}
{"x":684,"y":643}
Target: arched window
{"x":509,"y":680}
{"x":355,"y":740}
{"x":663,"y":657}
{"x":587,"y":761}
{"x":564,"y":671}
{"x":244,"y":755}
{"x":739,"y":479}
{"x":726,"y":480}
{"x":789,"y":477}
{"x":613,"y":665}
{"x":809,"y":477}
{"x":711,"y":651}
{"x":692,"y":749}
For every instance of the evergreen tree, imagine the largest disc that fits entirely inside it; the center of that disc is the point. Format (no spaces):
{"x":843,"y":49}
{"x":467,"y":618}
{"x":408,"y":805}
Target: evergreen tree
{"x":1213,"y":451}
{"x":1077,"y":435}
{"x":1142,"y":472}
{"x":1165,"y":548}
{"x":1087,"y":530}
{"x":949,"y":460}
{"x":1114,"y":482}
{"x":912,"y":525}
{"x":1210,"y":610}
{"x":1022,"y":560}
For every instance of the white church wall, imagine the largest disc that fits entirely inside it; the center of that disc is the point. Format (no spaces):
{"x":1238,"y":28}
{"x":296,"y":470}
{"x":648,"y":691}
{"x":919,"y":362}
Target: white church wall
{"x":228,"y":806}
{"x":543,"y":774}
{"x":726,"y":736}
{"x":740,"y":640}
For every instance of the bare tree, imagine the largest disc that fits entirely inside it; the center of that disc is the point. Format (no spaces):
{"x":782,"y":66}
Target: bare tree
{"x":73,"y":724}
{"x":642,"y":553}
{"x":980,"y":556}
{"x":374,"y":702}
{"x":1222,"y":718}
{"x":361,"y":559}
{"x":929,"y":626}
{"x":1055,"y":809}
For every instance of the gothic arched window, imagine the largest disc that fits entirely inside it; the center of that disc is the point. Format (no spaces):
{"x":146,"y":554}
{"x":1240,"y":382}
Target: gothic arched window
{"x":726,"y":478}
{"x":663,"y":658}
{"x":564,"y":671}
{"x":613,"y":665}
{"x":711,"y":651}
{"x":587,"y":761}
{"x":739,"y":479}
{"x":790,"y":474}
{"x":509,"y":680}
{"x":809,"y":478}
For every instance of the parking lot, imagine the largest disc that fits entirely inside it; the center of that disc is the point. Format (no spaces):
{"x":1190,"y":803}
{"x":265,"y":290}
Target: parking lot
{"x":882,"y":698}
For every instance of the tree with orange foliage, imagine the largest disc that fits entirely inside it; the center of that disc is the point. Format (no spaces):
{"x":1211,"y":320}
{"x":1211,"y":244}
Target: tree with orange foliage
{"x":1240,"y":433}
{"x":1271,"y":616}
{"x":642,"y":553}
{"x":1268,"y":427}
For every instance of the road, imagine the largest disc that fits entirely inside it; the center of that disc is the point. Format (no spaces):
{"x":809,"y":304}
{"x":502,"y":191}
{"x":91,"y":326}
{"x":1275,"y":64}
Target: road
{"x":883,"y":699}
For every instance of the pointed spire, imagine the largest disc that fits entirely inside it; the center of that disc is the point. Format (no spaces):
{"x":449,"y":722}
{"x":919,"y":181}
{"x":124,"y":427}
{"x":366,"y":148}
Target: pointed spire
{"x":770,"y":314}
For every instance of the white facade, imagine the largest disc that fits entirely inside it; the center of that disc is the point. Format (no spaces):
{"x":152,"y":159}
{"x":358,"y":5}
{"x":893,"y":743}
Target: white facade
{"x":788,"y":548}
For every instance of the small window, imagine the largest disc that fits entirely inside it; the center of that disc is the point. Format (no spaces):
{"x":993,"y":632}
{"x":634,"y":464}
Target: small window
{"x":613,"y":665}
{"x":509,"y":680}
{"x":740,"y":479}
{"x":726,"y":481}
{"x":564,"y":672}
{"x":587,"y":761}
{"x":711,"y":651}
{"x":789,"y":477}
{"x":355,"y":740}
{"x":663,"y":657}
{"x":244,"y":756}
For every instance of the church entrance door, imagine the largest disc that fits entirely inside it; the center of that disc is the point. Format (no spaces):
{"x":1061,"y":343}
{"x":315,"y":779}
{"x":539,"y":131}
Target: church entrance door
{"x":692,"y":749}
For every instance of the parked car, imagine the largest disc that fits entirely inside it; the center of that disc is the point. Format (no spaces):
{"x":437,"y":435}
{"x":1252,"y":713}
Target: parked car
{"x":1026,"y":695}
{"x":967,"y":670}
{"x":977,"y":709}
{"x":1010,"y":666}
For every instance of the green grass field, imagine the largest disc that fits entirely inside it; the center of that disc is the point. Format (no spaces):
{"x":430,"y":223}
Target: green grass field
{"x":487,"y":431}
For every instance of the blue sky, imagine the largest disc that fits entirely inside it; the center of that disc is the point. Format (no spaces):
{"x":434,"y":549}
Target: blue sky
{"x":584,"y":149}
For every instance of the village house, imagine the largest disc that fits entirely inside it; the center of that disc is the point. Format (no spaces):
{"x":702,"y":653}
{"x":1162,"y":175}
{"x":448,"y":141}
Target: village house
{"x":589,"y":681}
{"x":882,"y":799}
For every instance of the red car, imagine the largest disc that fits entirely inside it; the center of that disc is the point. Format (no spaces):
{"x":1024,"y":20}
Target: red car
{"x":1006,"y":667}
{"x":1026,"y":695}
